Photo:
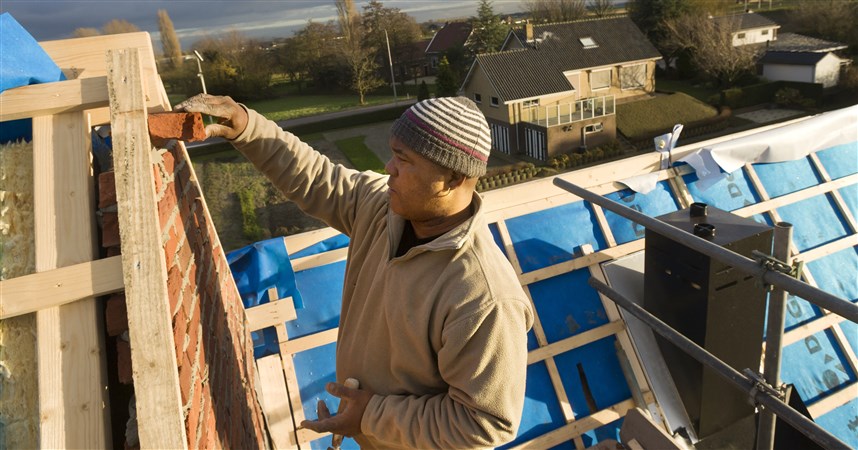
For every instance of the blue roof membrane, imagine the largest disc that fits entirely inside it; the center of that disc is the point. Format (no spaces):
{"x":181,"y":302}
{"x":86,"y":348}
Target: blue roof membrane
{"x":655,"y":203}
{"x":548,"y":237}
{"x":816,"y":221}
{"x":542,"y":411}
{"x":729,"y":194}
{"x":850,"y":197}
{"x":567,"y":305}
{"x":830,"y":274}
{"x":786,"y":177}
{"x":842,"y":422}
{"x":323,"y":288}
{"x":840,"y":161}
{"x":600,"y":368}
{"x":817,"y":367}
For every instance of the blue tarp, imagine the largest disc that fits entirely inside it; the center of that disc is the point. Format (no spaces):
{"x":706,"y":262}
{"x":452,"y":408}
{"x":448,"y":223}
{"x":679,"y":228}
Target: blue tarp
{"x":22,"y":62}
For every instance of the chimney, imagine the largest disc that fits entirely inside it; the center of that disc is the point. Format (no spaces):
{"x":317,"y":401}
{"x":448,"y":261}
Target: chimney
{"x":528,"y":31}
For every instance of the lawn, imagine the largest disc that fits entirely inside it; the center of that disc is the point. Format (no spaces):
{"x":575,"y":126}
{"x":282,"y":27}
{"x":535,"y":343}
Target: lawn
{"x":699,"y":90}
{"x":359,"y":154}
{"x":294,"y":106}
{"x":639,"y":120}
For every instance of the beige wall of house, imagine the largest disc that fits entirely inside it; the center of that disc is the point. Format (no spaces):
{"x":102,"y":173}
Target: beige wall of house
{"x":481,"y":91}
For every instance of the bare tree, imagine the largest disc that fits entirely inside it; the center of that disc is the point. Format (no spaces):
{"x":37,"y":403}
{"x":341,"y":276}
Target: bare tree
{"x":169,"y":41}
{"x":360,"y":59}
{"x":556,"y":10}
{"x":86,"y":32}
{"x":118,"y":26}
{"x":601,"y":8}
{"x":711,"y":47}
{"x":402,"y":32}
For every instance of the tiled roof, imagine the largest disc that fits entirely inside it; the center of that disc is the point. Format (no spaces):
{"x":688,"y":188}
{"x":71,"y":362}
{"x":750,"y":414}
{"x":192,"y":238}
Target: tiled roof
{"x":793,"y":42}
{"x":557,"y":48}
{"x":745,"y":21}
{"x":793,"y":58}
{"x":453,"y":34}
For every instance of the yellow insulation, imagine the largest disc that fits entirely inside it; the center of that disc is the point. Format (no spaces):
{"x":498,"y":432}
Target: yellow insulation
{"x":18,"y":372}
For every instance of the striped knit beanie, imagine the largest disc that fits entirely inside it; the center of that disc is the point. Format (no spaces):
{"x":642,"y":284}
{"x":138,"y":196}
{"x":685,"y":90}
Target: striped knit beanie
{"x":450,"y":131}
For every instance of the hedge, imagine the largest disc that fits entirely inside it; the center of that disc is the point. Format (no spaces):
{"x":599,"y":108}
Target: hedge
{"x":758,"y":94}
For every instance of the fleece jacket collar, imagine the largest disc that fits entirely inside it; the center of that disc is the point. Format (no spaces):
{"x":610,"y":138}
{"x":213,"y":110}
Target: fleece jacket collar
{"x":454,"y":239}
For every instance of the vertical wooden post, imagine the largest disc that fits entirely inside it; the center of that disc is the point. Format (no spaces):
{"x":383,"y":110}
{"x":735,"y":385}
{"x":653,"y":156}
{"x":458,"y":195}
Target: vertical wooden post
{"x":160,"y":419}
{"x":70,"y":340}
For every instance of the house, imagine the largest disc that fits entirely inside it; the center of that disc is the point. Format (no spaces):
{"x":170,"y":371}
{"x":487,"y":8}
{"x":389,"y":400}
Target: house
{"x":555,"y":87}
{"x":794,"y":57}
{"x":453,"y":34}
{"x":749,"y":28}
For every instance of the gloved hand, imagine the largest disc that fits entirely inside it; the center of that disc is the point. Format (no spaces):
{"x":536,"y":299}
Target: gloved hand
{"x":232,"y":117}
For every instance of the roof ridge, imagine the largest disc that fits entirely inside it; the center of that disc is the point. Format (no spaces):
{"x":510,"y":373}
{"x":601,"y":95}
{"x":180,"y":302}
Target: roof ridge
{"x":587,"y":19}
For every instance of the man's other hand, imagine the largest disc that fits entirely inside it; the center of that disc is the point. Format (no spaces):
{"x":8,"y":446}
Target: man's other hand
{"x":232,"y":117}
{"x":347,"y":421}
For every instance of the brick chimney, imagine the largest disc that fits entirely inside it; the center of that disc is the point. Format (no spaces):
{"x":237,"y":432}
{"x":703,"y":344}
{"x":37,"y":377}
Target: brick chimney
{"x":528,"y":31}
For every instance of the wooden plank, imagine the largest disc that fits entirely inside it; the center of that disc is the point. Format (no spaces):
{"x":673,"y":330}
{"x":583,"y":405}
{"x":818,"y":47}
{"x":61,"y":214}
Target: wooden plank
{"x":833,"y":401}
{"x":319,"y":259}
{"x":291,"y":380}
{"x":53,"y":98}
{"x":298,"y":242}
{"x":292,"y":346}
{"x":57,"y":287}
{"x":270,"y":314}
{"x":160,"y":418}
{"x":73,"y":410}
{"x":793,"y":197}
{"x":575,"y":429}
{"x":838,"y":199}
{"x":581,"y":262}
{"x":84,"y":58}
{"x":829,"y":248}
{"x":275,"y":402}
{"x":573,"y":342}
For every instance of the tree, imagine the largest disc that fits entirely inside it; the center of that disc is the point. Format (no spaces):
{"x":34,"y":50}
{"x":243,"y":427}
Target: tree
{"x":235,"y":66}
{"x":710,"y":45}
{"x":85,"y":32}
{"x":489,"y":31}
{"x":314,"y":50}
{"x":446,"y":84}
{"x":650,"y":15}
{"x":556,"y":10}
{"x":828,"y":19}
{"x":169,"y":41}
{"x":118,"y":26}
{"x":360,"y":59}
{"x":402,"y":33}
{"x":601,"y":8}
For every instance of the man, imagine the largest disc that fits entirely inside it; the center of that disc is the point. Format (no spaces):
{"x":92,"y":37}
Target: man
{"x":433,"y":322}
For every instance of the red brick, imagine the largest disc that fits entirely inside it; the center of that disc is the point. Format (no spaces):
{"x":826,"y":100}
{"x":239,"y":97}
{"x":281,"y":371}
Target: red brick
{"x":174,"y":286}
{"x":184,"y":256}
{"x":167,"y":205}
{"x":123,"y":362}
{"x":193,"y":339}
{"x":185,"y":372}
{"x":106,"y":189}
{"x":116,"y":314}
{"x":170,"y":247}
{"x":172,"y":125}
{"x":109,"y":229}
{"x":169,"y":162}
{"x":159,"y":180}
{"x":180,"y":326}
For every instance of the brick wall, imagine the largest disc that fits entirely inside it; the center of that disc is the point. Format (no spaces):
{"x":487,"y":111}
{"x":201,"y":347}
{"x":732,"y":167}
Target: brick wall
{"x":214,"y":355}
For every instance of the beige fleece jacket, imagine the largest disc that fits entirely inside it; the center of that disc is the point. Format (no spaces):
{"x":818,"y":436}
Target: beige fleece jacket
{"x":438,"y":334}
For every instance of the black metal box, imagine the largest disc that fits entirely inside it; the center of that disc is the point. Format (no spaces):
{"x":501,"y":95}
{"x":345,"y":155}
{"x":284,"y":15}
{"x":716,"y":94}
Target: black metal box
{"x":711,"y":303}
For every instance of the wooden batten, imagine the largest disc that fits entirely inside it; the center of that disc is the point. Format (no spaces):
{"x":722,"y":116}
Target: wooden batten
{"x":156,"y":381}
{"x":53,"y":98}
{"x":70,"y":338}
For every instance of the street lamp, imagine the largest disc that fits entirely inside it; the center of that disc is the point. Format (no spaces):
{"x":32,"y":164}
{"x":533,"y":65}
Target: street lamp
{"x":390,"y":60}
{"x":200,"y":70}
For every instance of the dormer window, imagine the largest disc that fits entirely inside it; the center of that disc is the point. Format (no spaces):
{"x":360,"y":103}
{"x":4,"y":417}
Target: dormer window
{"x":588,"y":42}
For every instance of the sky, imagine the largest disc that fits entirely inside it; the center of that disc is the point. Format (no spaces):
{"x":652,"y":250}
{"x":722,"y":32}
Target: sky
{"x":194,"y":19}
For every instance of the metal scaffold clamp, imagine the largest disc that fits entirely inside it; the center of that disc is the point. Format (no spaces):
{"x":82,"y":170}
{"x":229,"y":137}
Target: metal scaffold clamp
{"x":760,"y":385}
{"x":768,"y":263}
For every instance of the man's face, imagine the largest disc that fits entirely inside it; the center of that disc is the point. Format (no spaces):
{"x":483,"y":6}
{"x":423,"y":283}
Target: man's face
{"x":417,"y":185}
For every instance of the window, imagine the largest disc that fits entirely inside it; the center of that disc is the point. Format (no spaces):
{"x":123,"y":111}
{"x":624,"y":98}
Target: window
{"x":740,"y":36}
{"x":530,"y":103}
{"x":495,"y":101}
{"x":633,"y":77}
{"x":478,"y":98}
{"x":593,"y":128}
{"x":600,"y":79}
{"x":764,"y":32}
{"x":588,"y":42}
